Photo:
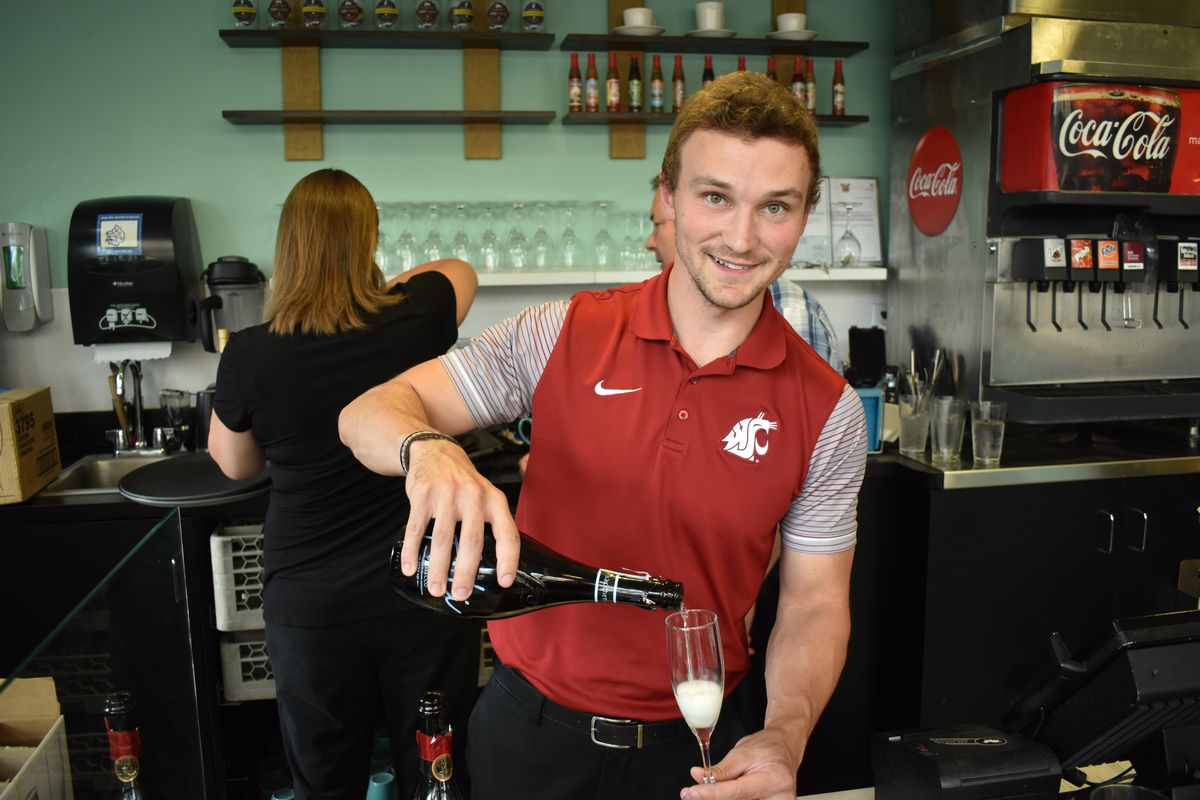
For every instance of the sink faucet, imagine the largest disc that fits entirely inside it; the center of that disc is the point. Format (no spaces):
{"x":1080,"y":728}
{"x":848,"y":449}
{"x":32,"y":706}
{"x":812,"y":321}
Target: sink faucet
{"x":134,"y":368}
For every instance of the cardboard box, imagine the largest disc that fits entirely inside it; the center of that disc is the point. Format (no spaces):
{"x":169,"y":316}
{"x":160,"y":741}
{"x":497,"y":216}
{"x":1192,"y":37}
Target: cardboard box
{"x":28,"y":443}
{"x":33,"y":743}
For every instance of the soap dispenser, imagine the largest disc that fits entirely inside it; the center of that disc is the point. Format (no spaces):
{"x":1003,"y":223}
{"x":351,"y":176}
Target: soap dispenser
{"x":25,"y":283}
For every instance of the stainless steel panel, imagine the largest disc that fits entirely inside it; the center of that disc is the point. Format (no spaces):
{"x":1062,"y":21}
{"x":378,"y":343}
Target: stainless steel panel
{"x":1158,"y":12}
{"x":1143,"y":48}
{"x":965,"y":476}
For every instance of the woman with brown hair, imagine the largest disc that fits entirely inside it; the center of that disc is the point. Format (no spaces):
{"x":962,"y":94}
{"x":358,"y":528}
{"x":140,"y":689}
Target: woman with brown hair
{"x":344,"y":648}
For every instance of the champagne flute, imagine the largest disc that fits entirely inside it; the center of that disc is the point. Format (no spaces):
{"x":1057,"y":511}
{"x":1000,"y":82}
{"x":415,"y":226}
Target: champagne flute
{"x":697,"y":674}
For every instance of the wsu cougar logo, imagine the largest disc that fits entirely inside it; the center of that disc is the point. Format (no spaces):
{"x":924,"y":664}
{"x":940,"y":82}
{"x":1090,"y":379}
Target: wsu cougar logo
{"x":743,"y":438}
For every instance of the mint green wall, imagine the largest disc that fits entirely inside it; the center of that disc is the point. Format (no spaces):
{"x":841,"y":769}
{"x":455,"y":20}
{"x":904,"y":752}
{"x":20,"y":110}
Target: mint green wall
{"x":112,"y":97}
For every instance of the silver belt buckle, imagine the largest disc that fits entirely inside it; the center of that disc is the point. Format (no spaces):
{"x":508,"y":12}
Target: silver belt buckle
{"x":620,"y":722}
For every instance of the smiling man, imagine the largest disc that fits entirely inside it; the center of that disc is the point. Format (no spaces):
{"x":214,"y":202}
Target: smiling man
{"x":680,"y":421}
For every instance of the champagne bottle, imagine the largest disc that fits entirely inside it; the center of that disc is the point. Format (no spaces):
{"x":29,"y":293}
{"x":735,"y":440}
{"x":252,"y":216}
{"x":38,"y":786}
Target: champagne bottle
{"x":678,"y":92}
{"x":544,"y":578}
{"x":657,"y":98}
{"x":591,"y":86}
{"x":839,"y":89}
{"x":635,"y":84}
{"x":612,"y":85}
{"x":434,"y":740}
{"x":707,"y":76}
{"x":124,"y":743}
{"x":574,"y":85}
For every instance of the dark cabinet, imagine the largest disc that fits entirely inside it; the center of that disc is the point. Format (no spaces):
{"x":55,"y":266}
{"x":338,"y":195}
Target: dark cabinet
{"x":1006,"y":566}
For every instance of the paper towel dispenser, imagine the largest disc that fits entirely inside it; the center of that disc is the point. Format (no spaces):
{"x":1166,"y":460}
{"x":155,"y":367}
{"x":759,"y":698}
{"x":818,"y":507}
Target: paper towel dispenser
{"x":133,"y":270}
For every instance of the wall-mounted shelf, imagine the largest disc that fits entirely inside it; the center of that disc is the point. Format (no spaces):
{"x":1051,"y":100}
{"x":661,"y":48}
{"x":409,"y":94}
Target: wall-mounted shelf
{"x":302,"y":116}
{"x":405,"y":40}
{"x":618,"y":276}
{"x":665,"y":118}
{"x":383,"y":117}
{"x":813,"y":48}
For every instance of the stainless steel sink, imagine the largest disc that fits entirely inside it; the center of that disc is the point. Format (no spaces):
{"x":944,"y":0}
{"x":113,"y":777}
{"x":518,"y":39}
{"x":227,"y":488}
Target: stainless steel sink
{"x":97,"y":474}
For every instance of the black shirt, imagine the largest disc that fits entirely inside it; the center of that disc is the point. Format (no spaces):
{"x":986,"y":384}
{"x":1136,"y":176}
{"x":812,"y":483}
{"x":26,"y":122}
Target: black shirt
{"x":331,"y":521}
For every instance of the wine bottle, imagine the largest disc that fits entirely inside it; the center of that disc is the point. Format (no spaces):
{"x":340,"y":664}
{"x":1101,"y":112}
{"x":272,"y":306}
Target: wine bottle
{"x":434,"y":740}
{"x":657,"y":98}
{"x":124,"y":743}
{"x":612,"y":85}
{"x":678,"y":92}
{"x":635,"y":84}
{"x":591,"y":86}
{"x":708,"y":76}
{"x":798,"y":78}
{"x":574,"y":85}
{"x":839,"y":89}
{"x":544,"y":578}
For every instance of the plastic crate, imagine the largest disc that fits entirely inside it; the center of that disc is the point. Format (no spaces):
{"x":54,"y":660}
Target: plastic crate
{"x":245,"y":667}
{"x":237,"y":567}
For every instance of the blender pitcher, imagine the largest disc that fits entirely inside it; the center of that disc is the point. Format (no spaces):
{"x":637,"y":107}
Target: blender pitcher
{"x":237,"y":293}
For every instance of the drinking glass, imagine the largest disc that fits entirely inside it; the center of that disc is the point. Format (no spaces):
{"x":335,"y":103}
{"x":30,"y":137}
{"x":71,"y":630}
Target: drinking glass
{"x":697,"y":674}
{"x":914,"y":417}
{"x":602,"y":244}
{"x":433,"y":247}
{"x":541,"y":247}
{"x":460,"y":245}
{"x":404,"y":250}
{"x":947,"y":416}
{"x":847,"y":249}
{"x":987,"y":431}
{"x":516,"y":245}
{"x":569,"y":240}
{"x":631,"y":246}
{"x":489,"y":241}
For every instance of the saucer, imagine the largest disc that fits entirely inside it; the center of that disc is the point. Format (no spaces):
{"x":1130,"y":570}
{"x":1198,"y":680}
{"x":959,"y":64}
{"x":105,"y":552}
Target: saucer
{"x":796,"y":36}
{"x":713,"y":33}
{"x":638,"y":30}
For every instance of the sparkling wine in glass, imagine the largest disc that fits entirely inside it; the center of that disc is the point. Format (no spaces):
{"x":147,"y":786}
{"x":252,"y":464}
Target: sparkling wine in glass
{"x":697,"y":674}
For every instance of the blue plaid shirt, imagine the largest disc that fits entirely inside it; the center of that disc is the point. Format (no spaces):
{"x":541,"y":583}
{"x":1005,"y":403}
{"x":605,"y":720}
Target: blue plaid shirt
{"x":807,"y":316}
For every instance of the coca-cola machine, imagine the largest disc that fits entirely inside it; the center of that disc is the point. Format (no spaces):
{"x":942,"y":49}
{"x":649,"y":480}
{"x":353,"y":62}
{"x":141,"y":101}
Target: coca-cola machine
{"x":1045,"y":204}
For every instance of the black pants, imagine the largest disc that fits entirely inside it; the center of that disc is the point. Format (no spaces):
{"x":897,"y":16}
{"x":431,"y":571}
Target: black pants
{"x":333,"y":683}
{"x":517,"y":751}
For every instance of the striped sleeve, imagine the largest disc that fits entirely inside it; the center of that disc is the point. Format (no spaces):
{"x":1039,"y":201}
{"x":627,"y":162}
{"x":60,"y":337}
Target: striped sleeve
{"x":824,"y":518}
{"x":495,"y":374}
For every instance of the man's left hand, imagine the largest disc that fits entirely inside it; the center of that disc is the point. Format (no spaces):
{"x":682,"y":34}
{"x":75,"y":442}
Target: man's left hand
{"x":762,"y":766}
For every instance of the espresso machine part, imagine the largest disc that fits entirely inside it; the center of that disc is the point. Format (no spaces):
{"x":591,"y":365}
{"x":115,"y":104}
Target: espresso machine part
{"x":133,"y":268}
{"x":237,"y":294}
{"x":25,"y":283}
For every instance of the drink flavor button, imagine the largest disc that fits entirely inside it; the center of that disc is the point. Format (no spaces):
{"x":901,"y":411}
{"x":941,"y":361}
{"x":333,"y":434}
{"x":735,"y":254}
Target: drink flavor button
{"x":1188,"y":255}
{"x":1055,"y":253}
{"x":1108,"y":253}
{"x":1133,"y":256}
{"x":1081,"y":260}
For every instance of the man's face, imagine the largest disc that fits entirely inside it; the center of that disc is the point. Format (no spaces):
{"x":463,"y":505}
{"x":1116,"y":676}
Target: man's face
{"x":661,"y":240}
{"x":738,"y":210}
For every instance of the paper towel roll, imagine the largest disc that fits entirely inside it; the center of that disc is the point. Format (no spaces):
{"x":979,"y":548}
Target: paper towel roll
{"x":134,"y":351}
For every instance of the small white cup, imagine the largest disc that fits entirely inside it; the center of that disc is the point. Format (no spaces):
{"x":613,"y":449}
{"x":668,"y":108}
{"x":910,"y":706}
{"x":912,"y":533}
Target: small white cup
{"x":638,"y":17}
{"x":710,"y":16}
{"x":791,"y":22}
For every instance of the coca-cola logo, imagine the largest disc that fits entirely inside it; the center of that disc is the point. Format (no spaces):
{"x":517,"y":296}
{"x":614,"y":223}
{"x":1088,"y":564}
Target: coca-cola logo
{"x":1132,"y":136}
{"x":934,"y":181}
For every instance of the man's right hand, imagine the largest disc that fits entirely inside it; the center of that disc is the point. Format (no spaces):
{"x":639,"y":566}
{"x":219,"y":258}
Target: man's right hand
{"x":444,"y":485}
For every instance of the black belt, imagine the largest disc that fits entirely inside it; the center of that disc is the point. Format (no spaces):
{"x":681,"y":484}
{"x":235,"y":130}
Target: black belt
{"x":604,"y":731}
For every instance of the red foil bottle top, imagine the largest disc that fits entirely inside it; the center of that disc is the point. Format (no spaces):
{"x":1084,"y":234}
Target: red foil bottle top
{"x":124,"y":743}
{"x":433,"y":747}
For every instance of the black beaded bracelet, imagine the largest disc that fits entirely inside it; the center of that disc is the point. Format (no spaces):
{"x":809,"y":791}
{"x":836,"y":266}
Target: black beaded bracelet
{"x":417,"y":436}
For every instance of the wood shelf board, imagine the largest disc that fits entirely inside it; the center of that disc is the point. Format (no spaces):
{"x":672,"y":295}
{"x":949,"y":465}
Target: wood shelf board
{"x":668,"y":118}
{"x":411,"y":40}
{"x":385,"y":117}
{"x":813,"y":48}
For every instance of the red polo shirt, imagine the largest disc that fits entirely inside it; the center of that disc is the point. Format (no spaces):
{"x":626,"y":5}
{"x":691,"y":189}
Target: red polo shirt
{"x":644,"y":461}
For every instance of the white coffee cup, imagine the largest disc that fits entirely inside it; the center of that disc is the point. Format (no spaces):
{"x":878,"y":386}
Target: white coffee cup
{"x":791,"y":22}
{"x":638,"y":17}
{"x":710,"y":16}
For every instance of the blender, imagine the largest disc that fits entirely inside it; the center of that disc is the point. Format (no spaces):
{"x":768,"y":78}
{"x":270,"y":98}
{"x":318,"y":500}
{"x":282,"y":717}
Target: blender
{"x":237,"y":294}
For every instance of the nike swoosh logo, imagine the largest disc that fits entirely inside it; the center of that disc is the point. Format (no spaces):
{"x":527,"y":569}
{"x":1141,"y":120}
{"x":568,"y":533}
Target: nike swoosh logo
{"x":600,"y":390}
